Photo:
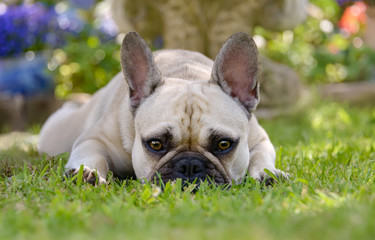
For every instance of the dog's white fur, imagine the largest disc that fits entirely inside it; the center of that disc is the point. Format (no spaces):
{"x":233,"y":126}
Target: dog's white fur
{"x":106,"y":133}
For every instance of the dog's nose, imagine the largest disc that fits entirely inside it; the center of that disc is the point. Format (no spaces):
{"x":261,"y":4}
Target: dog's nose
{"x":191,"y":168}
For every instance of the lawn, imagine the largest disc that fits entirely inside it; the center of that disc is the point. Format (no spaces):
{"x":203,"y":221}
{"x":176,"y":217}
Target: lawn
{"x":329,"y":150}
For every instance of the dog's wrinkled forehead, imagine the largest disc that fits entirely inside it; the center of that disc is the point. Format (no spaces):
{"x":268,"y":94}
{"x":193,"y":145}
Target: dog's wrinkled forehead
{"x":190,"y":110}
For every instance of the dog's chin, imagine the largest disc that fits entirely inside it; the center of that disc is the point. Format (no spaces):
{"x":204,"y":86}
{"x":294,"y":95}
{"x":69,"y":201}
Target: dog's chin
{"x":171,"y":171}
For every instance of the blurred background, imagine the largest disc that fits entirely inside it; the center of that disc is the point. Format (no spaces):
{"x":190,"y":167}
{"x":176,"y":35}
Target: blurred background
{"x":51,"y":51}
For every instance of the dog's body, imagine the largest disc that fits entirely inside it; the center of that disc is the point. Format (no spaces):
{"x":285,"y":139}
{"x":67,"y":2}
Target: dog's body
{"x":175,"y":113}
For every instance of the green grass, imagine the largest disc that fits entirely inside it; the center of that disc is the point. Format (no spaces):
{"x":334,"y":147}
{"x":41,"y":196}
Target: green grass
{"x":328,"y":149}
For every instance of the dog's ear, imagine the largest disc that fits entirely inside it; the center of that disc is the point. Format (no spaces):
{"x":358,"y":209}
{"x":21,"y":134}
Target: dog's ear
{"x":139,"y":68}
{"x":235,"y":70}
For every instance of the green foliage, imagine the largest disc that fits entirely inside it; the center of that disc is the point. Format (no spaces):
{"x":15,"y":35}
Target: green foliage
{"x":85,"y":64}
{"x":318,"y":51}
{"x":329,"y":150}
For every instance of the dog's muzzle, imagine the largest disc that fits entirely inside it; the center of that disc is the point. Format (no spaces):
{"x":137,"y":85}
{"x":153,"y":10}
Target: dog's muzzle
{"x":190,"y":167}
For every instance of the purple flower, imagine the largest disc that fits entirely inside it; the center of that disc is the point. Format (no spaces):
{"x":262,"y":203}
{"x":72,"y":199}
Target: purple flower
{"x":108,"y":27}
{"x":347,"y":2}
{"x":84,"y":4}
{"x":27,"y":26}
{"x":37,"y":26}
{"x":70,"y":21}
{"x":13,"y":31}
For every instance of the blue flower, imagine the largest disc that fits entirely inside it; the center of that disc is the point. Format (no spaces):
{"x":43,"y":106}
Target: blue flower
{"x":84,"y":4}
{"x":346,"y":2}
{"x":37,"y":26}
{"x":27,"y":26}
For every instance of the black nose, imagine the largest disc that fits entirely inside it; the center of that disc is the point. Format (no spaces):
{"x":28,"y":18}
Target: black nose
{"x":191,"y":168}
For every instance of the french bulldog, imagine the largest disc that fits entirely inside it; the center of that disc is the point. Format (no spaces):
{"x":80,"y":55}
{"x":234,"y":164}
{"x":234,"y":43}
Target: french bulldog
{"x":170,"y":114}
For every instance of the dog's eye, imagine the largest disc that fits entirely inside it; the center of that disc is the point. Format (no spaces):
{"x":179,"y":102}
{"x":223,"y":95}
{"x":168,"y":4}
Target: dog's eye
{"x":223,"y":145}
{"x":155,"y":145}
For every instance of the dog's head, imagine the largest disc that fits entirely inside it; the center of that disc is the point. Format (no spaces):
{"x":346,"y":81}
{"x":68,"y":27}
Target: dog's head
{"x":192,"y":130}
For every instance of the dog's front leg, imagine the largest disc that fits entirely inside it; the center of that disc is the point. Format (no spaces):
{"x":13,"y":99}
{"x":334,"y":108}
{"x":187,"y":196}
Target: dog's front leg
{"x":93,"y":156}
{"x":262,"y":156}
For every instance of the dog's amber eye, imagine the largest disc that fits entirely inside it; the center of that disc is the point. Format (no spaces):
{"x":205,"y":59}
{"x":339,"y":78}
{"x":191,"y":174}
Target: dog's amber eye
{"x":155,"y":145}
{"x":223,"y":145}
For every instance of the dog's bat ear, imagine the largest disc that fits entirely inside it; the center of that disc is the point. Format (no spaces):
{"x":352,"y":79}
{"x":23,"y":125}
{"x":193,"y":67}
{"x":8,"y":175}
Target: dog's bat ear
{"x":235,"y":70}
{"x":139,"y":68}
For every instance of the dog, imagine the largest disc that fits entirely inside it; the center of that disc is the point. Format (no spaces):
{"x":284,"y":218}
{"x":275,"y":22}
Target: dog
{"x":170,"y":114}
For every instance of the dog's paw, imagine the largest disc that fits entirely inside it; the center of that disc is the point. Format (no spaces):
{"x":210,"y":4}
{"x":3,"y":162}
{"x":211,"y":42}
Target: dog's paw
{"x":271,"y":177}
{"x":89,"y":175}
